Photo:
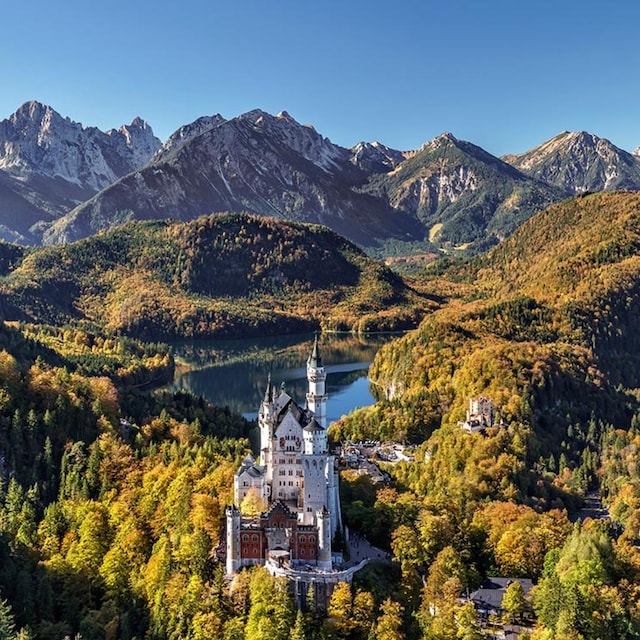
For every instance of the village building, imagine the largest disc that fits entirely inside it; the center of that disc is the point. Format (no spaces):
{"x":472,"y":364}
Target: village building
{"x":488,"y":598}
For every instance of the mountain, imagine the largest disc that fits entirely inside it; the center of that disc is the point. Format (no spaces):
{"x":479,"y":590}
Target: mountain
{"x":256,"y":162}
{"x":449,"y":191}
{"x":460,"y":193}
{"x":220,"y":276}
{"x":547,"y":321}
{"x":60,"y":182}
{"x":579,"y":162}
{"x":48,"y":164}
{"x":373,"y":157}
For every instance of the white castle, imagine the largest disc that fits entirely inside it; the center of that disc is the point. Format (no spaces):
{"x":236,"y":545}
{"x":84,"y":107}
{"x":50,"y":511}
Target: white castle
{"x":297,"y":480}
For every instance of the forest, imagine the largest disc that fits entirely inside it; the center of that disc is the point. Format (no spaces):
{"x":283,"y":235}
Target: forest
{"x":113,"y":491}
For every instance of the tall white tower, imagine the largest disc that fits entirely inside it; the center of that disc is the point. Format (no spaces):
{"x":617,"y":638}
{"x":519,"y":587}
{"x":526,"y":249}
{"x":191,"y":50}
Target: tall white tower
{"x":324,"y":539}
{"x":316,"y":396}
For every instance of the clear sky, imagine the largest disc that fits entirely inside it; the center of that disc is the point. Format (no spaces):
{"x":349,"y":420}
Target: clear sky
{"x":503,"y":74}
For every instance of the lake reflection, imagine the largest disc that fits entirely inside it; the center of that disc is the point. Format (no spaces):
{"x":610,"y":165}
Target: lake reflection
{"x":234,"y":373}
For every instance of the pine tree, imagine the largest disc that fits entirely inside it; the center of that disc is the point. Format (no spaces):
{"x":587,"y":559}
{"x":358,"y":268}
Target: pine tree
{"x":7,"y":623}
{"x":299,"y":632}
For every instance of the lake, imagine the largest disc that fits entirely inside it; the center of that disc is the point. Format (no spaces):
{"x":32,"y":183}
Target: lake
{"x":234,"y":373}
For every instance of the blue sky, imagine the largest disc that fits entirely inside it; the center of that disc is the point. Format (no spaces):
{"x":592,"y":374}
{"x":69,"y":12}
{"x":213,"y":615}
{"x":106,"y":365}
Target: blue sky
{"x":505,"y":75}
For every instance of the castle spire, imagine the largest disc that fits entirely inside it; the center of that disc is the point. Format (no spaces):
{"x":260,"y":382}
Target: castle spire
{"x":317,"y":376}
{"x":315,"y":360}
{"x":267,"y":393}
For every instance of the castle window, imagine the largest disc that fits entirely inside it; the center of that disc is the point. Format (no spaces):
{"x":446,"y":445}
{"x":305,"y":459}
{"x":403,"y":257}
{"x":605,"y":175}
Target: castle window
{"x":312,"y":539}
{"x":254,"y":537}
{"x":309,"y":509}
{"x":245,"y":537}
{"x":302,"y":551}
{"x":281,"y":472}
{"x":255,"y":551}
{"x":290,"y":472}
{"x":291,"y":483}
{"x":303,"y":539}
{"x":312,"y":551}
{"x":245,"y":484}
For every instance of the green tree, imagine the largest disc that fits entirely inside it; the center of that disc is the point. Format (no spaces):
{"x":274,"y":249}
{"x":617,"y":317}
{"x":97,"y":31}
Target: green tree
{"x":271,"y":615}
{"x":514,"y":601}
{"x":7,"y":623}
{"x":389,"y":625}
{"x":299,"y":631}
{"x":466,"y":619}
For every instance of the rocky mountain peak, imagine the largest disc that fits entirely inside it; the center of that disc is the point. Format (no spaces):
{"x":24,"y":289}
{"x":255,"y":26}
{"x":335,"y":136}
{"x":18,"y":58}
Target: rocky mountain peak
{"x":579,"y":161}
{"x":36,"y":140}
{"x":187,"y":132}
{"x":373,"y":157}
{"x":303,"y":139}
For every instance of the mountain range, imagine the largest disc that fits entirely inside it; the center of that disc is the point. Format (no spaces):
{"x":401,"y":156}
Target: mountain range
{"x":60,"y":181}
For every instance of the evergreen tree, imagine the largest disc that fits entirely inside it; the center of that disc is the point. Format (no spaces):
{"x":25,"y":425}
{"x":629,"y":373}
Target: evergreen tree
{"x":7,"y":623}
{"x":299,"y":632}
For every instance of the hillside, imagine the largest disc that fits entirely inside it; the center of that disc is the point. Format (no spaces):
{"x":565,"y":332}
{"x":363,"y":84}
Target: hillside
{"x":218,"y":276}
{"x":546,"y":325}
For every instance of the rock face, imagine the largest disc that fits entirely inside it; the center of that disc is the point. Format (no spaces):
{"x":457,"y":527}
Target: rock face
{"x":48,"y":164}
{"x":579,"y":161}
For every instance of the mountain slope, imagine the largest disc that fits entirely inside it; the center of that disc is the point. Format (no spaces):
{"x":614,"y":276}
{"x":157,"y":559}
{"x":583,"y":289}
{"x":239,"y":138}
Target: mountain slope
{"x":460,"y":193}
{"x":224,"y":276}
{"x":49,"y":164}
{"x":263,"y":164}
{"x":547,"y":325}
{"x":578,"y":162}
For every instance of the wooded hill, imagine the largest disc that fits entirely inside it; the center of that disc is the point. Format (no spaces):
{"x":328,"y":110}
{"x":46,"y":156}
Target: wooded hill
{"x":218,"y":276}
{"x":546,"y":325}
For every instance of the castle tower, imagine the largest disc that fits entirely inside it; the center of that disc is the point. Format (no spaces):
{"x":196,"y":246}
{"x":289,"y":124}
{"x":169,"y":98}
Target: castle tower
{"x":317,"y":396}
{"x":324,"y":539}
{"x":314,"y":463}
{"x":333,"y":495}
{"x":233,"y":539}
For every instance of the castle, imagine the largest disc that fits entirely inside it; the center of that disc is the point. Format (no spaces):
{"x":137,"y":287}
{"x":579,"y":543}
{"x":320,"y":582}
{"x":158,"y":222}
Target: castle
{"x":296,"y":479}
